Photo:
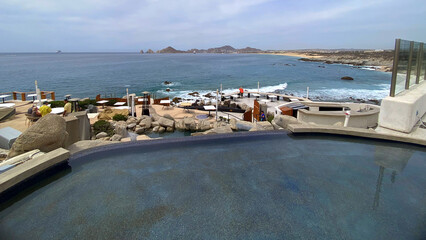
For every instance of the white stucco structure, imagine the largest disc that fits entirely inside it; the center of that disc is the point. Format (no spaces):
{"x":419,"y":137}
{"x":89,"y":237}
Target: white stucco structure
{"x":403,"y":111}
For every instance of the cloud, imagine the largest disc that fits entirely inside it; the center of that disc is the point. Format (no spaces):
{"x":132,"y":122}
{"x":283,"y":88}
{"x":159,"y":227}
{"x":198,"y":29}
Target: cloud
{"x":128,"y":24}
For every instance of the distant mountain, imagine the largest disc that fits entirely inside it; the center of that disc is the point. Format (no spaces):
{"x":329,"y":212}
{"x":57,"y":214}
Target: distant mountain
{"x":249,"y":50}
{"x":223,"y":49}
{"x":170,"y":50}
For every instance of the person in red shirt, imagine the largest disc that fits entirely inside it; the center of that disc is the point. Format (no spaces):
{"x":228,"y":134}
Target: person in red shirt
{"x":241,"y":91}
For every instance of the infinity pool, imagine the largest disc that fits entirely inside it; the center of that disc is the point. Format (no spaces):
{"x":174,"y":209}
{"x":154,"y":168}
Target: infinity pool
{"x":245,"y":186}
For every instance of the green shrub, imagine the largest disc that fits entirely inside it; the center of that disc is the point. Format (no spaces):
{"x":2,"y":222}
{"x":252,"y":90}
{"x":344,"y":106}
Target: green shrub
{"x":85,"y":103}
{"x":54,"y":104}
{"x":270,"y":118}
{"x":103,"y":126}
{"x":119,"y":117}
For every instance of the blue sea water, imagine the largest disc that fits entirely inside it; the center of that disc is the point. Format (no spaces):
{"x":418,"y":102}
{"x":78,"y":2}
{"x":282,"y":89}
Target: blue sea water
{"x":89,"y":74}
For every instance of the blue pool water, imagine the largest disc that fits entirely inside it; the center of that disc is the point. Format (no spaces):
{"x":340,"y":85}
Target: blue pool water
{"x":245,"y":186}
{"x":89,"y":74}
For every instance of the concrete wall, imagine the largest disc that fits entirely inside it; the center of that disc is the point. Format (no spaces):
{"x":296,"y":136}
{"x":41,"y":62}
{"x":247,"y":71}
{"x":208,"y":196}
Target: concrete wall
{"x":78,"y":127}
{"x":357,"y":119}
{"x":403,"y":111}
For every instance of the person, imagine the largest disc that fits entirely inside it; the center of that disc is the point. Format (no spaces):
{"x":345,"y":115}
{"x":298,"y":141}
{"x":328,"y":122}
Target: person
{"x":241,"y":91}
{"x":45,"y":109}
{"x":67,"y":108}
{"x":262,"y":116}
{"x":30,"y":110}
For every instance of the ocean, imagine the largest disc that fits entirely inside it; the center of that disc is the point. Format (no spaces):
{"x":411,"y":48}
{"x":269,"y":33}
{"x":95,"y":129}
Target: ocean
{"x":89,"y":74}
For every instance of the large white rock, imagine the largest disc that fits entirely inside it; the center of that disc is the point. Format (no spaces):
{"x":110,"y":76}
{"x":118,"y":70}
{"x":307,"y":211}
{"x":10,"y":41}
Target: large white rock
{"x":101,"y":135}
{"x":47,"y":134}
{"x":244,"y":125}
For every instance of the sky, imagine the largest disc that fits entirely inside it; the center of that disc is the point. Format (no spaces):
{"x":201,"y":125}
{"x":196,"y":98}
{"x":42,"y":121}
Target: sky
{"x":133,"y":25}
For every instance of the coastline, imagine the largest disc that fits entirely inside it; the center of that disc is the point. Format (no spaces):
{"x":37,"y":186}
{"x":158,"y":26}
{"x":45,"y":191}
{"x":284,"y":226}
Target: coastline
{"x":377,"y":61}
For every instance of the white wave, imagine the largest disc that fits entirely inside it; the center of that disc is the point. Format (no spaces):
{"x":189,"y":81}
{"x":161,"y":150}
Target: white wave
{"x":184,"y":94}
{"x":346,"y":93}
{"x":171,"y":84}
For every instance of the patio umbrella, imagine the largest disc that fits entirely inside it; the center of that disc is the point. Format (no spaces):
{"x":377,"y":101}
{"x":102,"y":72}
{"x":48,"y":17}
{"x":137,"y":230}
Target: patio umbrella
{"x":38,"y":94}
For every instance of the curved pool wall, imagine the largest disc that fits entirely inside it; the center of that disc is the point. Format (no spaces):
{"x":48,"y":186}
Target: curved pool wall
{"x":250,"y":185}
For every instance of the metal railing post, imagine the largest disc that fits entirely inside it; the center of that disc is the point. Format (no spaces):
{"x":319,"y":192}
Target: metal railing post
{"x":395,"y":67}
{"x":419,"y":62}
{"x":410,"y":59}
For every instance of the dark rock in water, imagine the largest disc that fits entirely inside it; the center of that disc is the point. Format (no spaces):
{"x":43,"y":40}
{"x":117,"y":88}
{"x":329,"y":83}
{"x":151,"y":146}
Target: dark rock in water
{"x":209,"y":95}
{"x":167,"y":82}
{"x":176,"y":99}
{"x":346,"y":78}
{"x":328,"y":62}
{"x":167,"y":89}
{"x":374,"y":101}
{"x":194,"y":94}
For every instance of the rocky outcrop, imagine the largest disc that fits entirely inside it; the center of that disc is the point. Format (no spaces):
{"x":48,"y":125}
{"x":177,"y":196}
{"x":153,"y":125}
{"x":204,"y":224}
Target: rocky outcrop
{"x":262,"y":126}
{"x":169,"y":49}
{"x":190,"y":124}
{"x":180,"y":125}
{"x":203,"y":125}
{"x":47,"y":134}
{"x":347,"y":78}
{"x":121,"y":128}
{"x":145,"y":123}
{"x":165,"y":122}
{"x":149,"y":51}
{"x":284,"y":120}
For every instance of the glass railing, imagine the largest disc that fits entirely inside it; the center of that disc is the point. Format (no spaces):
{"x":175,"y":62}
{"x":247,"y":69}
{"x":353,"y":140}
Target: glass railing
{"x":409,"y":65}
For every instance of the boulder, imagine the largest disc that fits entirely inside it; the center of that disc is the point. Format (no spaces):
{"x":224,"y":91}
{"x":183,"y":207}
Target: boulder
{"x":155,"y":117}
{"x":276,"y":127}
{"x":244,"y":125}
{"x":169,"y":129}
{"x":145,"y":123}
{"x":219,"y":124}
{"x":101,"y":135}
{"x":180,"y":125}
{"x":347,"y":78}
{"x":131,"y":120}
{"x":222,"y":129}
{"x":243,"y":106}
{"x":155,"y":129}
{"x":116,"y":137}
{"x":161,"y":129}
{"x":203,"y":125}
{"x":131,"y":125}
{"x":262,"y":126}
{"x":139,"y":130}
{"x":155,"y":124}
{"x":190,"y":124}
{"x":47,"y":134}
{"x":168,"y":116}
{"x":165,"y":122}
{"x":233,"y":123}
{"x":121,"y":128}
{"x":284,"y":120}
